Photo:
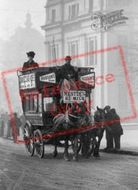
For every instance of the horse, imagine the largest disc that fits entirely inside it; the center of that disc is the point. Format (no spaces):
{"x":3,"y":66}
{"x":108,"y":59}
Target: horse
{"x":91,"y":140}
{"x":88,"y":142}
{"x":99,"y":119}
{"x":75,"y":116}
{"x":63,"y":122}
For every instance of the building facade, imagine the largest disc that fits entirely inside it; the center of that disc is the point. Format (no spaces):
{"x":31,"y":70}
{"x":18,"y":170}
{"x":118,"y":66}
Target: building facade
{"x":68,"y":32}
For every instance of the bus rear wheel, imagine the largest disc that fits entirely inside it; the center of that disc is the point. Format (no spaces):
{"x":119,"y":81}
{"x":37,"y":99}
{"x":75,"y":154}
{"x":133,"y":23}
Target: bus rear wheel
{"x":28,"y":139}
{"x":39,"y":143}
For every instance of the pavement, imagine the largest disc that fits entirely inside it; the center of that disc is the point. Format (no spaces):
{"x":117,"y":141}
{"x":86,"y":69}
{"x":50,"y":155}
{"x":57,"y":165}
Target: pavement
{"x":129,"y":140}
{"x":18,"y":171}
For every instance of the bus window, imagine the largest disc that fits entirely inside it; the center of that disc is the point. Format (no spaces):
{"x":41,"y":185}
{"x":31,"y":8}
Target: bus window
{"x":31,"y":103}
{"x":40,"y":103}
{"x":27,"y":103}
{"x":49,"y":104}
{"x":31,"y":99}
{"x":35,"y":105}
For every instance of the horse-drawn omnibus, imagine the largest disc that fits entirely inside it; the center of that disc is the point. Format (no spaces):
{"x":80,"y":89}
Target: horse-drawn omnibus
{"x":46,"y":108}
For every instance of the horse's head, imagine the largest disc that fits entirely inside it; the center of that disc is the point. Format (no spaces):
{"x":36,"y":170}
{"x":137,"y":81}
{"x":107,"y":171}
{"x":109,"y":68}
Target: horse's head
{"x":99,"y":116}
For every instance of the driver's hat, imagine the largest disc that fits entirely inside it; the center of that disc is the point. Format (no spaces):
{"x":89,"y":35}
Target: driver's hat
{"x":68,"y":58}
{"x":107,"y":107}
{"x":31,"y":53}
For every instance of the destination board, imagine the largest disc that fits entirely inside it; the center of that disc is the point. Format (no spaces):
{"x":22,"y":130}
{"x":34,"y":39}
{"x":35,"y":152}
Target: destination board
{"x":51,"y":78}
{"x":74,"y":96}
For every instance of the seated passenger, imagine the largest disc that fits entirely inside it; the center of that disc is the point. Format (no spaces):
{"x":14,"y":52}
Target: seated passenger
{"x":30,"y":64}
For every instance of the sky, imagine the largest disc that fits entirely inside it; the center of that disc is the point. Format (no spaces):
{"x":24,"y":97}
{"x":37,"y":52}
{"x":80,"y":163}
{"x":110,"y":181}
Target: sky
{"x":13,"y":14}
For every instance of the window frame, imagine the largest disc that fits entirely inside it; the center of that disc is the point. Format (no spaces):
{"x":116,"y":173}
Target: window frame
{"x":53,"y":18}
{"x":73,"y":7}
{"x":89,"y":49}
{"x":53,"y":103}
{"x":29,"y":103}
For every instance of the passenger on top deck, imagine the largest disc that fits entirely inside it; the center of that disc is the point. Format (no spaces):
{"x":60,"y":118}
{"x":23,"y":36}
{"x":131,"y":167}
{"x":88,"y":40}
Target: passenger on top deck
{"x":30,"y":64}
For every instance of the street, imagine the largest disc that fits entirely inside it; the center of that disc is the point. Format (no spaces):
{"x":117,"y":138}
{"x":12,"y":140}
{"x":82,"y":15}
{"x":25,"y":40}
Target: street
{"x":18,"y":171}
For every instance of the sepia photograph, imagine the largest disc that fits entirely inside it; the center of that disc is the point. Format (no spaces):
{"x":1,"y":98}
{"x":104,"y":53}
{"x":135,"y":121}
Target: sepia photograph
{"x":68,"y":95}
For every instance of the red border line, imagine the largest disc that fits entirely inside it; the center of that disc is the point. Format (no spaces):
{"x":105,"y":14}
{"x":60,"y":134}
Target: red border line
{"x":10,"y":107}
{"x":123,"y":62}
{"x":133,"y":107}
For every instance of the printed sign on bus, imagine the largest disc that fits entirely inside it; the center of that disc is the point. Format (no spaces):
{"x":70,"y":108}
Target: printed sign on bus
{"x":51,"y":78}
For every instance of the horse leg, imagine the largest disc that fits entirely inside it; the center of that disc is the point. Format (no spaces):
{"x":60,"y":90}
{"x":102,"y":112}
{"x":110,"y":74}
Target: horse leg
{"x":96,"y":149}
{"x":66,"y":154}
{"x":90,"y":144}
{"x":85,"y":145}
{"x":76,"y":147}
{"x":55,"y":152}
{"x":97,"y":146}
{"x":83,"y":149}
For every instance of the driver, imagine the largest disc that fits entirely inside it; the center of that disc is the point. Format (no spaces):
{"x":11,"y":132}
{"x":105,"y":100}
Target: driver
{"x":67,"y":70}
{"x":68,"y":77}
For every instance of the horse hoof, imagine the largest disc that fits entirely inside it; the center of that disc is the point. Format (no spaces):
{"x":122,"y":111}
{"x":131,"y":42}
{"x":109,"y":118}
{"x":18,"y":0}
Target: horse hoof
{"x":75,"y":158}
{"x":96,"y":155}
{"x":55,"y":154}
{"x":87,"y":156}
{"x":66,"y":158}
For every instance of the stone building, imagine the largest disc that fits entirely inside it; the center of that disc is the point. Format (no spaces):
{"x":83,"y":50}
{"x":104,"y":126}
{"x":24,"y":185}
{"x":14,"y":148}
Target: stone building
{"x":68,"y":32}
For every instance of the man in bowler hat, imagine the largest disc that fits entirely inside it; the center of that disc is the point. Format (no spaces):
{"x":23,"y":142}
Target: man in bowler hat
{"x":113,"y":130}
{"x":116,"y":129}
{"x":108,"y":118}
{"x":30,"y":64}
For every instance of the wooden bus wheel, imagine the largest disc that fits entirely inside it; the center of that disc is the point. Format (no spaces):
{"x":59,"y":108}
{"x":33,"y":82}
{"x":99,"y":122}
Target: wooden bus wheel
{"x":39,"y":143}
{"x":29,"y":142}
